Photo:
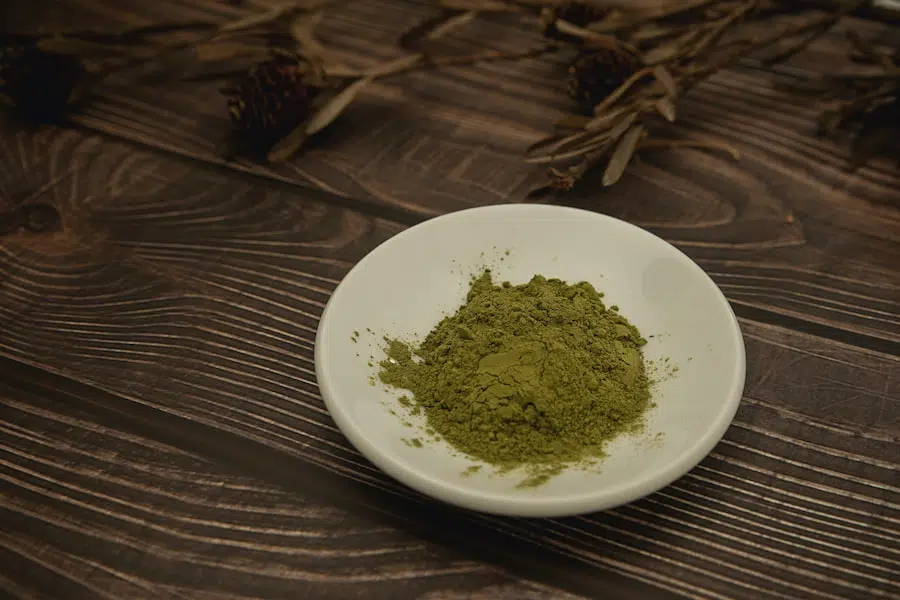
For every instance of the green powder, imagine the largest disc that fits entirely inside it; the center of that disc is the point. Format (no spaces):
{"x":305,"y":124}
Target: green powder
{"x":539,"y":375}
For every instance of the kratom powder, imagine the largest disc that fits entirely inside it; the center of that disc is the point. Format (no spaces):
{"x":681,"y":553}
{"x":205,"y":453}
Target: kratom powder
{"x":536,"y":375}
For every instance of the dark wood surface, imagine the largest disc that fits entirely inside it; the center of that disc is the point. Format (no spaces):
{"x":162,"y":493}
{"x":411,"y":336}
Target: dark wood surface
{"x":161,"y":432}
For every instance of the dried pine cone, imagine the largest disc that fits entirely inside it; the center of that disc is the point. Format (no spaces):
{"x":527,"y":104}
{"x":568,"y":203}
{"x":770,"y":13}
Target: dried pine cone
{"x":272,"y":99}
{"x":33,"y":218}
{"x":38,"y":83}
{"x":878,"y":134}
{"x":598,"y":72}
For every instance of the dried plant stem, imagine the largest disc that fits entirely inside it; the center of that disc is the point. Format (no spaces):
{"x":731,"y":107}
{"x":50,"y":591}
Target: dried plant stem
{"x":330,"y":111}
{"x":432,"y":62}
{"x":423,"y":62}
{"x":681,"y":44}
{"x":743,"y":48}
{"x":436,"y":28}
{"x":255,"y":21}
{"x":622,"y":90}
{"x":723,"y":26}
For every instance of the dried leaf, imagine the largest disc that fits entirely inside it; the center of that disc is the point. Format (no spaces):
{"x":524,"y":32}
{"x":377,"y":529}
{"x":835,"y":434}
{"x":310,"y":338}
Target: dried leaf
{"x":816,"y":30}
{"x":658,"y":10}
{"x":592,"y":145}
{"x":551,"y":145}
{"x":664,"y":77}
{"x":451,"y":24}
{"x":795,"y":47}
{"x":621,"y":127}
{"x":303,"y":30}
{"x":557,"y":148}
{"x":666,"y":108}
{"x":614,"y":22}
{"x":593,"y":39}
{"x":662,"y":54}
{"x":621,"y":91}
{"x":321,"y":118}
{"x":633,"y":16}
{"x":395,"y":66}
{"x":276,"y":13}
{"x":666,"y":51}
{"x":566,"y":180}
{"x":287,"y":146}
{"x":333,"y":108}
{"x":433,"y":29}
{"x":620,"y":158}
{"x":411,"y":38}
{"x":572,"y":122}
{"x":605,"y":121}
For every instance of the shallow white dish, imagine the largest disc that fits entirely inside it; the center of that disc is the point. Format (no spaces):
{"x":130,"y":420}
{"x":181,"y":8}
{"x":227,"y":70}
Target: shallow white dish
{"x":404,"y":287}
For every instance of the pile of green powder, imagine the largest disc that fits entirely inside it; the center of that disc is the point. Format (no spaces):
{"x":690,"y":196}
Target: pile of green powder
{"x":539,"y":375}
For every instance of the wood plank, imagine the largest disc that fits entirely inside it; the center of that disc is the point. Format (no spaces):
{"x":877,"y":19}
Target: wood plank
{"x":195,"y":293}
{"x":91,"y":509}
{"x":325,"y":235}
{"x":788,"y":233}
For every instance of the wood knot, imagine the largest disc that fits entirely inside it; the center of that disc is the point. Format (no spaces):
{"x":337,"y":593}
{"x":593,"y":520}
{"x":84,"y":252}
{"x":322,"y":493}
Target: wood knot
{"x":34,"y":218}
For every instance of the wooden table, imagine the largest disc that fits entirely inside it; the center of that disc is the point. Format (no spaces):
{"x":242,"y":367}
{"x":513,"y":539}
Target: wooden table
{"x":161,"y":432}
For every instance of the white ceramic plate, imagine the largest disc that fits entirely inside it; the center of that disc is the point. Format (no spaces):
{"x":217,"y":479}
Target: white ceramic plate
{"x":407,"y":284}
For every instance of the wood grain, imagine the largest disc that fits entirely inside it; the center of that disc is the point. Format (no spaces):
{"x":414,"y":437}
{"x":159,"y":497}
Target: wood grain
{"x":181,"y":448}
{"x":787,"y":231}
{"x":197,"y":294}
{"x":91,"y":510}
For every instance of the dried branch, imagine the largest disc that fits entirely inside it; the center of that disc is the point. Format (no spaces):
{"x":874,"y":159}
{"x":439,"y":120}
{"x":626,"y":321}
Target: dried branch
{"x":633,"y":65}
{"x":865,"y":104}
{"x":679,"y":46}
